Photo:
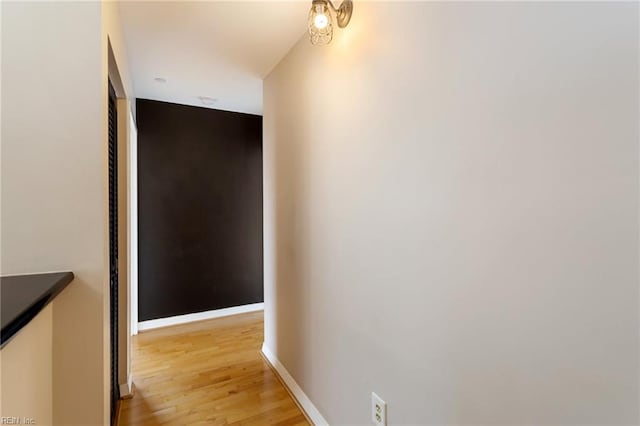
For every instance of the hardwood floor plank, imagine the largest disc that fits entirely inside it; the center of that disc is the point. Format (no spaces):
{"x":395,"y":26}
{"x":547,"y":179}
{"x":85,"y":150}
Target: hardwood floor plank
{"x":207,"y":373}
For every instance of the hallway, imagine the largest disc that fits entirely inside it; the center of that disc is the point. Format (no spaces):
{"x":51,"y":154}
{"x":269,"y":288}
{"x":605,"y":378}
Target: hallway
{"x":320,"y":212}
{"x":207,"y":372}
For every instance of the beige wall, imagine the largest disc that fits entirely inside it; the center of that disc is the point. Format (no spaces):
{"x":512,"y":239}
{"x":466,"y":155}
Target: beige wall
{"x":54,"y":184}
{"x":451,"y":214}
{"x":53,"y":215}
{"x":26,"y":371}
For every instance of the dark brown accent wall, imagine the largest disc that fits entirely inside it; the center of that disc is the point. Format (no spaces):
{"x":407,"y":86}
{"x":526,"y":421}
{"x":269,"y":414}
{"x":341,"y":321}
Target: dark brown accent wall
{"x":200,"y":209}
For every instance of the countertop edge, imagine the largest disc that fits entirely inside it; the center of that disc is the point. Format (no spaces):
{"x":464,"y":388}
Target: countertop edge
{"x":12,"y":329}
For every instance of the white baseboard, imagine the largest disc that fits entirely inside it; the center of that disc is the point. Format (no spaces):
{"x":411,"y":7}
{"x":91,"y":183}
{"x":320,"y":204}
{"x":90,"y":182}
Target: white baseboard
{"x":126,"y":389}
{"x":295,"y":389}
{"x":198,"y":316}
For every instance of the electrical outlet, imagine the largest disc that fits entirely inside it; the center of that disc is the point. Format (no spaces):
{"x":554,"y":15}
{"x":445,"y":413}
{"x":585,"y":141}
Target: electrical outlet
{"x":378,"y":410}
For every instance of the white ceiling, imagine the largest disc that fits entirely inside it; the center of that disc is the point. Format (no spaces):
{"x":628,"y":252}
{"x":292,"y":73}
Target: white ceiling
{"x":215,"y":49}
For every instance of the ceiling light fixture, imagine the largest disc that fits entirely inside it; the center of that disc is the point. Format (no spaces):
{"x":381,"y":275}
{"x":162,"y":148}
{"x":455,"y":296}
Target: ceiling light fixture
{"x":160,"y":80}
{"x":320,"y":23}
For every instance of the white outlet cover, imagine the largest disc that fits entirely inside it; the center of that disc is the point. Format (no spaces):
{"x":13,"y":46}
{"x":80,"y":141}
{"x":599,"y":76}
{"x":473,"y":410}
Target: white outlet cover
{"x":378,"y":410}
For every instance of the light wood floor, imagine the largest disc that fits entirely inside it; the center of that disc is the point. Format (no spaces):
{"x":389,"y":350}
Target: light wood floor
{"x":210,"y":372}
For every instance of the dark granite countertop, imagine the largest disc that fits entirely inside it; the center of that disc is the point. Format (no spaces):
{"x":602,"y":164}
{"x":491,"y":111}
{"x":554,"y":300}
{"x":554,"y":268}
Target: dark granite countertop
{"x":24,"y":296}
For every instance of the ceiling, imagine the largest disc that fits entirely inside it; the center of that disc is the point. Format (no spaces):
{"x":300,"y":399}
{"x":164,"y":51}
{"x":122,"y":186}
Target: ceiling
{"x":212,"y":54}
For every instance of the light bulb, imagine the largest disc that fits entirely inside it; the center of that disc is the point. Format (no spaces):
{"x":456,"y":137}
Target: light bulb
{"x":320,"y":25}
{"x":320,"y":21}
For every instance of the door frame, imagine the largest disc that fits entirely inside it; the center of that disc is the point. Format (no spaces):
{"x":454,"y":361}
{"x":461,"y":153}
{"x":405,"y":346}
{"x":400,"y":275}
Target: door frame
{"x":114,"y":240}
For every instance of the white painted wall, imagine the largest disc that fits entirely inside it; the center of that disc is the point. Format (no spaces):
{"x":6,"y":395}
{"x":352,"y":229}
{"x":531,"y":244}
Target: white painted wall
{"x":55,"y":67}
{"x":451,"y":214}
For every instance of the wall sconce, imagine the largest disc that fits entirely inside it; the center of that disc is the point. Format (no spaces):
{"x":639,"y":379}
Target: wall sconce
{"x":320,"y":24}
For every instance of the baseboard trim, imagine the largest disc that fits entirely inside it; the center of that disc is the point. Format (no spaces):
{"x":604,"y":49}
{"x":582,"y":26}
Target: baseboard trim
{"x":199,"y":316}
{"x":126,"y":389}
{"x":303,"y":401}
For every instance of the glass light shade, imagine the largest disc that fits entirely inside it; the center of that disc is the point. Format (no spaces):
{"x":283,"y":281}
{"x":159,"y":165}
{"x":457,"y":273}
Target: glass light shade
{"x":320,"y":25}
